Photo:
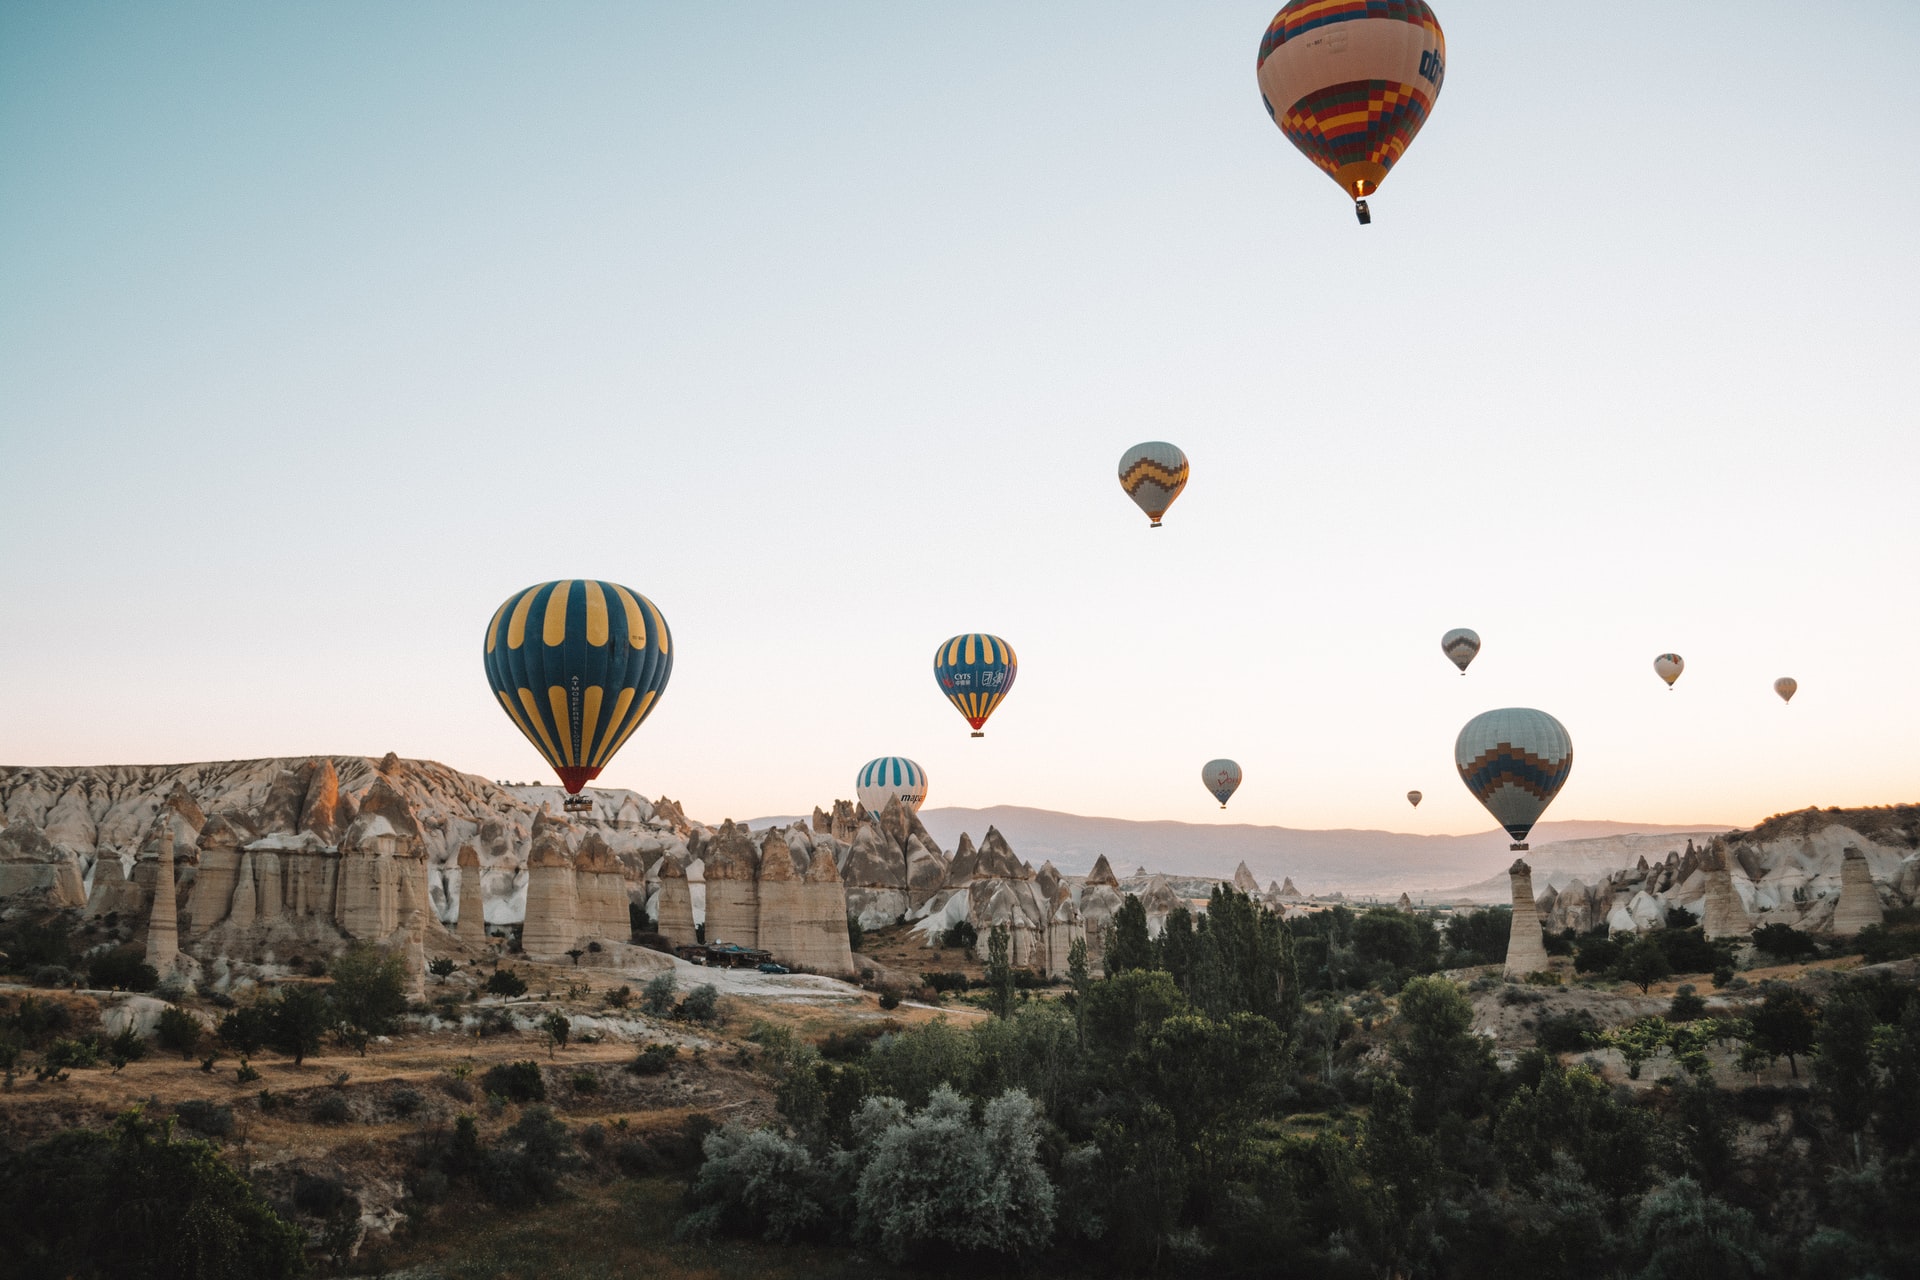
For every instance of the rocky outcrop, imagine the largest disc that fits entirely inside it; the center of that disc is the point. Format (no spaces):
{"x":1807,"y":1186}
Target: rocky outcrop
{"x":34,"y":868}
{"x":163,"y":922}
{"x":733,"y":887}
{"x":1100,"y":900}
{"x":1405,"y":903}
{"x":471,"y":926}
{"x":1243,"y":881}
{"x":1526,"y":952}
{"x":1288,"y":892}
{"x":821,"y":942}
{"x":1159,"y":901}
{"x":1064,"y":927}
{"x":1858,"y":905}
{"x":675,"y":905}
{"x":600,"y":893}
{"x":1722,"y":915}
{"x":780,"y":904}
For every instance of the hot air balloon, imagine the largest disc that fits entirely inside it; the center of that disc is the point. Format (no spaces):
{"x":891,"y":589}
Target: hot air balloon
{"x":891,"y":778}
{"x":1515,"y":761}
{"x":577,"y":665}
{"x":975,"y":671}
{"x":1350,"y":82}
{"x":1460,"y":645}
{"x":1786,"y":687}
{"x":1669,"y":666}
{"x":1414,"y":798}
{"x":1222,"y":778}
{"x":1153,"y":474}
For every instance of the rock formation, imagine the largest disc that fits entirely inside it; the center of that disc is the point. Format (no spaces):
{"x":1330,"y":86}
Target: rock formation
{"x":1526,"y":952}
{"x":1243,"y":881}
{"x":676,"y":906}
{"x":779,"y":902}
{"x":1287,"y":890}
{"x":821,"y":942}
{"x":1064,"y":928}
{"x":1100,"y":900}
{"x":471,"y":926}
{"x":600,"y":892}
{"x":1858,"y":905}
{"x":1405,"y":903}
{"x":1722,"y":915}
{"x":551,"y":924}
{"x":163,"y":922}
{"x":733,"y":887}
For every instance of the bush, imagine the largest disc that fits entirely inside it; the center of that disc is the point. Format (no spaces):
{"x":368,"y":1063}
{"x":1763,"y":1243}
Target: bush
{"x":702,"y":1004}
{"x":1567,"y":1032}
{"x":516,"y":1081}
{"x":441,"y":967}
{"x":370,"y":989}
{"x":856,"y":932}
{"x":1543,"y":978}
{"x":63,"y":1054}
{"x":526,"y":1167}
{"x":1879,"y":945}
{"x":962,"y":935}
{"x":656,"y":998}
{"x":332,"y":1109}
{"x":405,"y":1102}
{"x":125,"y":1047}
{"x":205,"y":1117}
{"x":889,"y":999}
{"x":505,"y":982}
{"x":53,"y":975}
{"x":1596,"y":955}
{"x":297,"y":1018}
{"x":1784,"y":942}
{"x":756,"y":1182}
{"x":945,"y":982}
{"x":245,"y":1030}
{"x":653,"y":1060}
{"x":122,"y":969}
{"x":179,"y":1031}
{"x":619,"y":997}
{"x":584,"y":1082}
{"x":1686,"y":1006}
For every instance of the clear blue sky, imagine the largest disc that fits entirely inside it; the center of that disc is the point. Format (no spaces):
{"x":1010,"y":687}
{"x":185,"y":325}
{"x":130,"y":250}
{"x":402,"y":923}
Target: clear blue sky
{"x":323,"y":328}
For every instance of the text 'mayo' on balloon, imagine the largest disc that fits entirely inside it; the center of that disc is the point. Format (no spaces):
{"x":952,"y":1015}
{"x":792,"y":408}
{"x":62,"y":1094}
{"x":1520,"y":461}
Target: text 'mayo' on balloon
{"x":975,"y":671}
{"x":890,"y":778}
{"x":1514,"y":761}
{"x":1350,"y":84}
{"x":578,"y":665}
{"x":1222,"y":778}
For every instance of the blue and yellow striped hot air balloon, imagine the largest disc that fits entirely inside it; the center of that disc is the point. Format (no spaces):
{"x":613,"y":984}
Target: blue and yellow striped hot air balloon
{"x":577,"y":665}
{"x":975,"y":671}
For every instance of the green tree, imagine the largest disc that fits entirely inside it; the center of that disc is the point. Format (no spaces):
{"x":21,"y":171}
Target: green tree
{"x":1571,"y":1113}
{"x":176,"y":1209}
{"x":1784,"y":942}
{"x":1637,"y":1042}
{"x":1897,"y":1122}
{"x":1683,"y":1234}
{"x":1785,"y":1024}
{"x":369,"y":989}
{"x":913,"y":1063}
{"x":1077,"y":974}
{"x":556,"y":1027}
{"x":1447,"y":1065}
{"x":1120,"y":1014}
{"x":1686,"y":1006}
{"x":1394,"y":940}
{"x":1215,"y":1078}
{"x":1644,"y":962}
{"x":247,"y":1029}
{"x":1128,"y":945}
{"x":1843,"y":1065}
{"x":299,"y":1017}
{"x":1000,"y":985}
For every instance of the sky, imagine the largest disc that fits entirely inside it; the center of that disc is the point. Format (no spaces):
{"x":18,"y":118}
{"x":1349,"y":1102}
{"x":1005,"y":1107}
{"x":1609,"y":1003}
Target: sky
{"x":325,"y":328}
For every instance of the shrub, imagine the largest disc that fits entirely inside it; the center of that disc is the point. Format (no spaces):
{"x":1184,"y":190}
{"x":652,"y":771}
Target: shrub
{"x":889,"y":999}
{"x":516,"y":1081}
{"x":405,"y":1102}
{"x":653,"y":1060}
{"x":369,"y":989}
{"x":702,"y":1003}
{"x":1596,"y":955}
{"x":63,"y":1054}
{"x":122,"y":969}
{"x":1543,"y":978}
{"x":505,"y":982}
{"x":245,"y":1030}
{"x":856,"y":932}
{"x":1879,"y":945}
{"x":298,"y":1017}
{"x":526,"y":1167}
{"x":179,"y":1031}
{"x":38,"y":1021}
{"x":584,"y":1082}
{"x":441,"y":967}
{"x":332,"y":1109}
{"x":53,"y":975}
{"x":656,"y":999}
{"x":1567,"y":1032}
{"x":755,"y":1182}
{"x":125,"y":1047}
{"x":619,"y":997}
{"x":1784,"y":942}
{"x":961,"y":934}
{"x":557,"y":1028}
{"x":205,"y":1117}
{"x":944,"y":982}
{"x":1686,"y":1006}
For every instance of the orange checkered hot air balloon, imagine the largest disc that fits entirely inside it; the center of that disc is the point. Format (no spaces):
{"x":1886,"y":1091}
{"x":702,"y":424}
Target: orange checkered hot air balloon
{"x":1350,"y":82}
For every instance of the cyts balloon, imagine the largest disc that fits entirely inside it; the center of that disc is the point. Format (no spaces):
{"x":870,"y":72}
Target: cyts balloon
{"x":1153,"y":474}
{"x":1350,"y":82}
{"x":975,"y":671}
{"x":577,"y":665}
{"x":889,"y":778}
{"x":1222,"y":777}
{"x":1514,"y":761}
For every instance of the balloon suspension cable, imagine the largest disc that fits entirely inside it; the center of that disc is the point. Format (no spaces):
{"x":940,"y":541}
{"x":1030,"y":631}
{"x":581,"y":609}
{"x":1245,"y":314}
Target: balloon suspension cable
{"x":1363,"y":213}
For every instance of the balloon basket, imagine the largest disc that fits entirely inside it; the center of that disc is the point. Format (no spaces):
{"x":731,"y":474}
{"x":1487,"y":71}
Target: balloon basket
{"x":1517,"y":848}
{"x":1363,"y":213}
{"x":577,"y":804}
{"x":976,"y":734}
{"x":1154,"y":525}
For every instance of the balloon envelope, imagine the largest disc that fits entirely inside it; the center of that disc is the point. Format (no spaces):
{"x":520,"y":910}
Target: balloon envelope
{"x":888,"y":778}
{"x":577,"y":665}
{"x":1514,"y":761}
{"x":1669,"y":666}
{"x":1153,"y":474}
{"x":1786,"y":687}
{"x":1460,"y":645}
{"x":975,"y":671}
{"x":1350,"y":82}
{"x":1414,"y":798}
{"x":1222,"y":778}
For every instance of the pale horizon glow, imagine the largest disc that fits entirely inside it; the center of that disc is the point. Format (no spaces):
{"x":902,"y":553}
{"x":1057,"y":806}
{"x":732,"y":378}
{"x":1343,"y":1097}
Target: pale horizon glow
{"x":323,"y":330}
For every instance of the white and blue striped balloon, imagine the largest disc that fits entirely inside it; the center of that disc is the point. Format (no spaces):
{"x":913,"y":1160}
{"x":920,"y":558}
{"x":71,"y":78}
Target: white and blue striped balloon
{"x":881,"y":780}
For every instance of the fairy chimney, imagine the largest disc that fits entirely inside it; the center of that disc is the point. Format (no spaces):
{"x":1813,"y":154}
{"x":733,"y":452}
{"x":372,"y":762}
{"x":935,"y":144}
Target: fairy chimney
{"x":1526,"y":952}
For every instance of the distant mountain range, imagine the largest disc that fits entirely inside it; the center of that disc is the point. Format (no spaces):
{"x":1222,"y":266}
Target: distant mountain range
{"x":1320,"y":862}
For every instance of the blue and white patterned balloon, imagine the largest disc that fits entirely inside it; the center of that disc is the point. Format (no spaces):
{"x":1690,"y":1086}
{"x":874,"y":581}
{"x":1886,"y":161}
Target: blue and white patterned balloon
{"x":889,"y":777}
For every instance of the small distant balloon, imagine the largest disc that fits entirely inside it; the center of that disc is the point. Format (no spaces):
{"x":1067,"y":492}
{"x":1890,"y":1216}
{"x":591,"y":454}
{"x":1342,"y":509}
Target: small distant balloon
{"x":1222,"y":778}
{"x":1669,"y":666}
{"x":890,"y":778}
{"x":1153,"y":474}
{"x":1460,"y":645}
{"x":975,"y":671}
{"x":1786,"y":687}
{"x":1514,"y":761}
{"x":1414,"y":798}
